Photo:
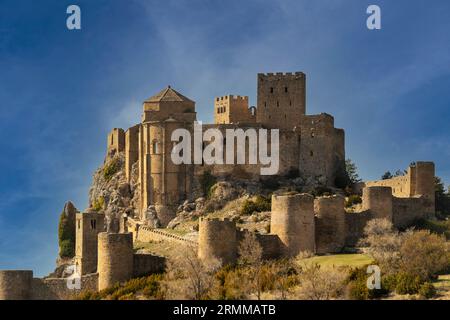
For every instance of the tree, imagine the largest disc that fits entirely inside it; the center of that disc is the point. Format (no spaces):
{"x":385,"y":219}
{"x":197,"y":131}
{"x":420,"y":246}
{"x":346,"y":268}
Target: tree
{"x":386,"y":175}
{"x":352,"y":171}
{"x":399,"y":173}
{"x":442,"y":198}
{"x":382,"y":242}
{"x":439,"y":187}
{"x":284,"y":277}
{"x":188,"y":277}
{"x":424,"y":254}
{"x":66,"y":231}
{"x":317,"y":283}
{"x":250,"y":256}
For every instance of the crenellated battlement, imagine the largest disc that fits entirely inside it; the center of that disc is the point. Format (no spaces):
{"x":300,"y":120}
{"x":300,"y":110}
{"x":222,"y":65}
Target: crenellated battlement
{"x":276,"y":75}
{"x":231,"y":97}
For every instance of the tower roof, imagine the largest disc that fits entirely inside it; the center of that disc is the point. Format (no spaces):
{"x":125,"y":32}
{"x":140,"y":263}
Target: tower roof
{"x":168,"y":94}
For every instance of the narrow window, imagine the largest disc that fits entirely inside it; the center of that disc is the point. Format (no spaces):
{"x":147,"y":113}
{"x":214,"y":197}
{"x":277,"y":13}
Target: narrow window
{"x":311,"y":153}
{"x":271,"y":89}
{"x":278,"y":103}
{"x":155,"y":147}
{"x":79,"y":224}
{"x":224,"y":109}
{"x":290,"y":102}
{"x":285,"y":89}
{"x":265,"y":104}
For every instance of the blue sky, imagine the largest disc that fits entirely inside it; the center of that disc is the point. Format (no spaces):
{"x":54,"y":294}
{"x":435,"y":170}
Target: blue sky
{"x":61,"y":91}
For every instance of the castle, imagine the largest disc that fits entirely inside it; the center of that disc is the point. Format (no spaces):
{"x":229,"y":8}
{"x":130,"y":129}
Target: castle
{"x":310,"y":147}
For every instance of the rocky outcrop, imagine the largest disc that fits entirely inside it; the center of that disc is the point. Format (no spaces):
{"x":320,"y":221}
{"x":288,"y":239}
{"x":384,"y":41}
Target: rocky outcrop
{"x":111,"y":193}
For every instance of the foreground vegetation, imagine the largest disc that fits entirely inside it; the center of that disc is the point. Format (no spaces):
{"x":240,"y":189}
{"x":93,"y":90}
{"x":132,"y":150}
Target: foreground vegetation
{"x":412,"y":263}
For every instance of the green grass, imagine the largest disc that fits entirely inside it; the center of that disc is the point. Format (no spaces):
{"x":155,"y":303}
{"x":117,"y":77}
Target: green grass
{"x":338,"y":260}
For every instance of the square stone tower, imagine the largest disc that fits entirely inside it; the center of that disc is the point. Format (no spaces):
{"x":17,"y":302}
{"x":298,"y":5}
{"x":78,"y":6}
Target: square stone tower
{"x":281,"y":100}
{"x":88,"y":225}
{"x":116,"y":141}
{"x":232,"y":109}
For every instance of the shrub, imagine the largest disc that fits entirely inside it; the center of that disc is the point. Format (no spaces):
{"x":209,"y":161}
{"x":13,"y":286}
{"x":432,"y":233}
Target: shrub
{"x":317,"y":283}
{"x":263,"y":203}
{"x":407,"y":283}
{"x":248,"y":207}
{"x":435,"y":226}
{"x":98,"y":204}
{"x":357,"y":290}
{"x":207,"y":181}
{"x":352,"y":200}
{"x":389,"y":282}
{"x":383,"y":244}
{"x":259,"y":205}
{"x":292,"y":173}
{"x":427,"y":290}
{"x":270,"y":183}
{"x":357,"y":285}
{"x":424,"y":254}
{"x":111,"y":168}
{"x":321,"y":191}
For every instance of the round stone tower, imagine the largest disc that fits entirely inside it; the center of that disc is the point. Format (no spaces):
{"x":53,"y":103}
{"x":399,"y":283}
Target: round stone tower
{"x":217,"y":239}
{"x":425,"y":172}
{"x":379,"y":201}
{"x":15,"y":284}
{"x":293,"y":221}
{"x":115,"y":258}
{"x":330,"y":224}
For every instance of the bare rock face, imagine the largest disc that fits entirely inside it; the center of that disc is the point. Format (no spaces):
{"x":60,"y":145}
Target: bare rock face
{"x":111,"y":193}
{"x":70,"y":211}
{"x":152,"y":217}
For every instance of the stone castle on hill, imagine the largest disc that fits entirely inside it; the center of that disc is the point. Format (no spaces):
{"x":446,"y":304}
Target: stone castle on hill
{"x":310,"y":145}
{"x":311,"y":149}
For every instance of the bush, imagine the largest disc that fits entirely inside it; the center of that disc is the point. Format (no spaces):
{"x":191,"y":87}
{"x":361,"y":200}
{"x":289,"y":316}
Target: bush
{"x":259,"y":205}
{"x":407,"y":283}
{"x":292,"y":173}
{"x":270,"y":183}
{"x":389,"y":282}
{"x":357,"y":290}
{"x":357,"y":285}
{"x":111,"y":168}
{"x":149,"y":286}
{"x":427,"y":290}
{"x":352,"y":200}
{"x":382,"y":243}
{"x":321,"y":191}
{"x":435,"y":226}
{"x":98,"y":204}
{"x":424,"y":254}
{"x":207,"y":181}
